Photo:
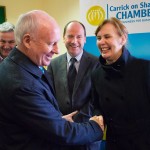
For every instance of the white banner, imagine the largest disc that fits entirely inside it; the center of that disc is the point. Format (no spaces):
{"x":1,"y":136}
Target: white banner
{"x":135,"y":14}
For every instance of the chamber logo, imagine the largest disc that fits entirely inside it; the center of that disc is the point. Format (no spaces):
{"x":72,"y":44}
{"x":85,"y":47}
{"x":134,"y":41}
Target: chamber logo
{"x":95,"y":15}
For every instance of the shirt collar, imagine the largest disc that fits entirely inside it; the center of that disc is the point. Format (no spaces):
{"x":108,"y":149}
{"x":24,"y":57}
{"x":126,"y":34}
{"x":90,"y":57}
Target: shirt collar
{"x":78,"y":57}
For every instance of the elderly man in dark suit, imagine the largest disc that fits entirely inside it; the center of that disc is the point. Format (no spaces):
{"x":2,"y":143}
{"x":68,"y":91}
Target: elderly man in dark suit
{"x":29,"y":115}
{"x":80,"y":97}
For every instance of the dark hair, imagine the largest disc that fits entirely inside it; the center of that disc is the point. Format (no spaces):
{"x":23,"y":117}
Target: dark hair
{"x":122,"y":30}
{"x":65,"y":28}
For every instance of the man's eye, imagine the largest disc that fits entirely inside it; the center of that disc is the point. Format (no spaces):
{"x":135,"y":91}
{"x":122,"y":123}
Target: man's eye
{"x":70,"y":36}
{"x":51,"y":44}
{"x":3,"y":41}
{"x":79,"y":37}
{"x":11,"y":42}
{"x":107,"y":37}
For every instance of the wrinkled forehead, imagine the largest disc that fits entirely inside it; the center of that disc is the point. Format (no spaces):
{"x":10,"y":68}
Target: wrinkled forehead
{"x":49,"y":34}
{"x":6,"y":35}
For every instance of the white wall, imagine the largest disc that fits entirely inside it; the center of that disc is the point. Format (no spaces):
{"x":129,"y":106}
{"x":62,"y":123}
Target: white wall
{"x":62,"y":10}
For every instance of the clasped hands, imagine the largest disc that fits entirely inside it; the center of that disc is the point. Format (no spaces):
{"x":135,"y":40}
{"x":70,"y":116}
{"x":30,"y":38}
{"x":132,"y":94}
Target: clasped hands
{"x":97,"y":119}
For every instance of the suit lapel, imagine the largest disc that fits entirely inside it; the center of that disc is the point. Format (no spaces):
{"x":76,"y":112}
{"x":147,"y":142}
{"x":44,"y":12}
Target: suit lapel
{"x":49,"y":81}
{"x":60,"y":72}
{"x":63,"y":71}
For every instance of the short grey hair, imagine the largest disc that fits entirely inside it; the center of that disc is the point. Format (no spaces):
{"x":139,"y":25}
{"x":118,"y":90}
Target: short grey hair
{"x":29,"y":23}
{"x":7,"y":27}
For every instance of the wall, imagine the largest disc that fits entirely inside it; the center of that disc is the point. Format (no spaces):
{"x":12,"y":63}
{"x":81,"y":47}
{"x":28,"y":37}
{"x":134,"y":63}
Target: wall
{"x":62,"y":10}
{"x":14,"y":8}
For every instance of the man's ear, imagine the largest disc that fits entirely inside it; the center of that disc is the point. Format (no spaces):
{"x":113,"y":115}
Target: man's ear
{"x":27,"y":40}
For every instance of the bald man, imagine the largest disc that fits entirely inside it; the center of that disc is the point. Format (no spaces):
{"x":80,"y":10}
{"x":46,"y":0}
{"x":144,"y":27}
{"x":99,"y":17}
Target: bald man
{"x":29,"y":114}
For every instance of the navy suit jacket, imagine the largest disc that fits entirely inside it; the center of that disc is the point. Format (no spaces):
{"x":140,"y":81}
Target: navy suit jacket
{"x":29,"y":115}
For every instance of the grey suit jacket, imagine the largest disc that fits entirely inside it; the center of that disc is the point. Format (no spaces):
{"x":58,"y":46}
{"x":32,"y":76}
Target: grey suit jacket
{"x":82,"y":97}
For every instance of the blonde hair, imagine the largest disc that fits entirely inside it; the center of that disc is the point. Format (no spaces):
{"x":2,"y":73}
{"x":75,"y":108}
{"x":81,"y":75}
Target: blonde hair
{"x":122,"y":30}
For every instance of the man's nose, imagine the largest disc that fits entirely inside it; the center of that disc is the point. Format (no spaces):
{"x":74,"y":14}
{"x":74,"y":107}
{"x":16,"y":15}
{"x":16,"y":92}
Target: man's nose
{"x":74,"y":40}
{"x":6,"y":45}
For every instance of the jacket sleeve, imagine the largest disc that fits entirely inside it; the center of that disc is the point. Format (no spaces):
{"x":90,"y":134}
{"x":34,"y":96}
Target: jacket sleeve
{"x":36,"y":110}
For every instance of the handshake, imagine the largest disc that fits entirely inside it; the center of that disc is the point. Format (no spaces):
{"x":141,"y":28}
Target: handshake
{"x":98,"y":119}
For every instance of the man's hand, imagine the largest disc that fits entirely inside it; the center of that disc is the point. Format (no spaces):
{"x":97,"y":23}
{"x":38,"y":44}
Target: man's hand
{"x":69,"y":116}
{"x":99,"y":120}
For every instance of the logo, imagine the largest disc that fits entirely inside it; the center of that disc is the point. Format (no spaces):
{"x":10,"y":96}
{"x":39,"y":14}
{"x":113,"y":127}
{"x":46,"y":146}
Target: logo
{"x":95,"y":15}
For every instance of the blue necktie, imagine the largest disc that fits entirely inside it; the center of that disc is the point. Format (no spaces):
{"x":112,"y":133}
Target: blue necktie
{"x":71,"y":76}
{"x":42,"y":69}
{"x":45,"y":79}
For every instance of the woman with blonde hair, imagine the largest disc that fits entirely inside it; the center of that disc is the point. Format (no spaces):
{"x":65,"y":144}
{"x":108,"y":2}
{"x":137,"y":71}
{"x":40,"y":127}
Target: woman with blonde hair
{"x":122,"y":89}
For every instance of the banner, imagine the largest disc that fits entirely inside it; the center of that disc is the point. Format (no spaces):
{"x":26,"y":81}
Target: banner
{"x":134,"y":14}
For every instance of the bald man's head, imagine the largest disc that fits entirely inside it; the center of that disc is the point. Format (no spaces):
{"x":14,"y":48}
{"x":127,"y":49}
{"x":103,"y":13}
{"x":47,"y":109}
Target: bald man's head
{"x":31,"y":22}
{"x":37,"y":35}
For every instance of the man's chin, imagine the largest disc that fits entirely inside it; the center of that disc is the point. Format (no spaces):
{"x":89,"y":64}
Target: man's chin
{"x":46,"y":63}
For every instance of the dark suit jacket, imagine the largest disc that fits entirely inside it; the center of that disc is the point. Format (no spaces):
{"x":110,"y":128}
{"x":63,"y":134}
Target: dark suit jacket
{"x":29,"y":115}
{"x":81,"y":98}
